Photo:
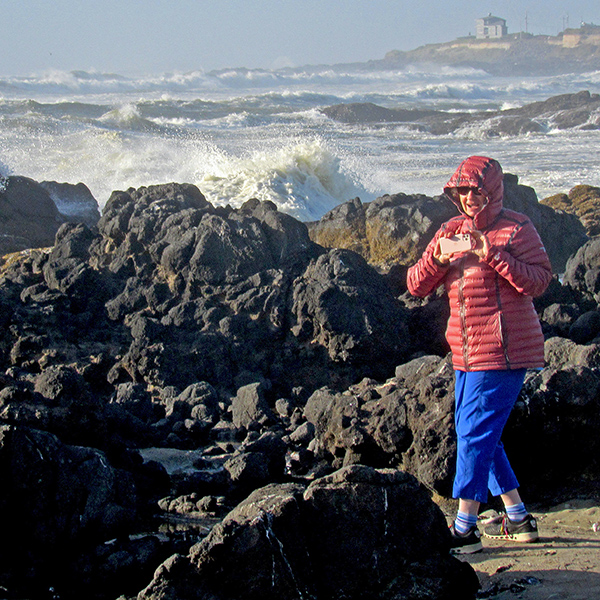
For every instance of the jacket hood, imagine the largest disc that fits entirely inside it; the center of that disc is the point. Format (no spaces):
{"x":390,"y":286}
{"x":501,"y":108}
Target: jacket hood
{"x":486,"y":175}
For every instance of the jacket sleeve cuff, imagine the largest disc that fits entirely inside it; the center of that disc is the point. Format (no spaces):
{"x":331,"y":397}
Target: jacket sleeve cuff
{"x":493,"y":257}
{"x":438,"y":263}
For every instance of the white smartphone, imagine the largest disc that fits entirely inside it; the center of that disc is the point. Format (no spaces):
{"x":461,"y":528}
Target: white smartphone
{"x":456,"y":243}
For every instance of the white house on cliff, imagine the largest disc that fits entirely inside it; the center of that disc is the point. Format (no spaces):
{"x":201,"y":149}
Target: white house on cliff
{"x":490,"y":27}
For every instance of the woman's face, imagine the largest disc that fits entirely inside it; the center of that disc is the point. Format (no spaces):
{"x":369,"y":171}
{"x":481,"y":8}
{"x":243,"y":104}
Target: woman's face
{"x":471,"y":200}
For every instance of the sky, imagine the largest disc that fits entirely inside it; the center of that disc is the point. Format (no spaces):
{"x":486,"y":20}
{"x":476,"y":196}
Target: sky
{"x":136,"y":37}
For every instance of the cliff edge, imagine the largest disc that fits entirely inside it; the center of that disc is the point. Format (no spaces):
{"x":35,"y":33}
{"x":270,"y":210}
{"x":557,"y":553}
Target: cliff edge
{"x":571,"y":51}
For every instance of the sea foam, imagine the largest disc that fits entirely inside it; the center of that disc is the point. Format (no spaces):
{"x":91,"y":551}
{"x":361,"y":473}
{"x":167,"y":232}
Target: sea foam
{"x":304,"y":180}
{"x":242,"y":133}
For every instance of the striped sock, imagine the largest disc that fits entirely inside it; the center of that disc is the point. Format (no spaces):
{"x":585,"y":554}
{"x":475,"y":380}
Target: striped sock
{"x":464,"y":522}
{"x":516,"y":512}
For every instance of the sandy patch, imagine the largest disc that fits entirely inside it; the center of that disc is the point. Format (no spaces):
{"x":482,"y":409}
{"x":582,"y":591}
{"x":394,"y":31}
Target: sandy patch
{"x":563,"y":565}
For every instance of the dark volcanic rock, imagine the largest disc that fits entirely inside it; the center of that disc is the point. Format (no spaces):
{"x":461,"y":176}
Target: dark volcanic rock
{"x":390,"y":230}
{"x":135,"y":399}
{"x":586,"y":327}
{"x":367,"y":112}
{"x":31,"y":213}
{"x":343,"y":305}
{"x":431,"y":456}
{"x":583,"y":201}
{"x":198,"y":401}
{"x":405,"y":423}
{"x":394,"y":230}
{"x":250,"y":408}
{"x":560,"y":317}
{"x":353,"y":429}
{"x":568,"y":111}
{"x":176,"y":326}
{"x":408,"y":423}
{"x":558,"y":413}
{"x":349,"y":535}
{"x":74,"y":202}
{"x":190,"y":293}
{"x":28,"y":216}
{"x":583,"y":270}
{"x":68,"y":493}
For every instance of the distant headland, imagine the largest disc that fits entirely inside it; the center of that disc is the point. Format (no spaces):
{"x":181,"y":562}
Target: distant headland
{"x":498,"y":52}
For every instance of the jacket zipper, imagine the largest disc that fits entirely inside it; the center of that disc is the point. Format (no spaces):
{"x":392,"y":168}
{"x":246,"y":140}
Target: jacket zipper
{"x":462,"y":313}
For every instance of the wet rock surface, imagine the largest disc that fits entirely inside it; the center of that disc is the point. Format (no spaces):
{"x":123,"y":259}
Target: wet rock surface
{"x":346,"y":535}
{"x":74,"y":202}
{"x":26,"y":224}
{"x":568,"y":111}
{"x":31,"y":212}
{"x":393,"y":231}
{"x":583,"y":201}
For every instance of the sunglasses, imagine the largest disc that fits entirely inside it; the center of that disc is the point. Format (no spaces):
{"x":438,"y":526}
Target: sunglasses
{"x":464,"y":190}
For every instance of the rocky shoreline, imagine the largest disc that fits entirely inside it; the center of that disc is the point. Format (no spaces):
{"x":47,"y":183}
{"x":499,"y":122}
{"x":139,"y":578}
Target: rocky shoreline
{"x":308,"y":396}
{"x":568,"y":111}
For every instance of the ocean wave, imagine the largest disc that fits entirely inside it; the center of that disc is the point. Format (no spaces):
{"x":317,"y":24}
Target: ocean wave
{"x":299,"y":83}
{"x":341,"y":77}
{"x":236,"y":138}
{"x":304,"y":180}
{"x":66,"y":83}
{"x":55,"y":81}
{"x":5,"y":170}
{"x":302,"y":174}
{"x":467,"y":90}
{"x":127,"y":117}
{"x":83,"y":82}
{"x":55,"y":110}
{"x":504,"y":91}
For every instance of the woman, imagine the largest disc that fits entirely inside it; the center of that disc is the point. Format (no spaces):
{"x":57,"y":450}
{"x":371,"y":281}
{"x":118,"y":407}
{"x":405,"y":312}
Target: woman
{"x":491,"y":274}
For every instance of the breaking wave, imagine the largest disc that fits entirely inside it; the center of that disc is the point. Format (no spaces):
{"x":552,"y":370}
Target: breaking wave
{"x":240,"y":133}
{"x":304,"y":180}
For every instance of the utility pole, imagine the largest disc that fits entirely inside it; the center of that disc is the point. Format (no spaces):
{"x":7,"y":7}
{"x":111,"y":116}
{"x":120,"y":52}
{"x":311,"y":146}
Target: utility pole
{"x":526,"y":21}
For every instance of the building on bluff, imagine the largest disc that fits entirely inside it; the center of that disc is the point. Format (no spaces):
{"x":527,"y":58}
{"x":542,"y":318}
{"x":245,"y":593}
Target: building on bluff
{"x":490,"y":27}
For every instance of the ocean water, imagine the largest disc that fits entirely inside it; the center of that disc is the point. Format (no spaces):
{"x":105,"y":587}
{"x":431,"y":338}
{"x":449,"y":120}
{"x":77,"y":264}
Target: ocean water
{"x":239,"y":134}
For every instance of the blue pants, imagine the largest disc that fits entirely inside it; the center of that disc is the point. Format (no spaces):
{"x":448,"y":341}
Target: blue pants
{"x":484,"y":400}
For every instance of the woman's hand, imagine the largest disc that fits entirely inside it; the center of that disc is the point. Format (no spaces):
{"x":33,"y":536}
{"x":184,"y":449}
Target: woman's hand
{"x":481,"y":245}
{"x":441,"y":258}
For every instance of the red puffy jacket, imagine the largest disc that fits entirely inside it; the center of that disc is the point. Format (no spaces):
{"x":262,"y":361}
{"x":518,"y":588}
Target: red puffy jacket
{"x":493,"y":323}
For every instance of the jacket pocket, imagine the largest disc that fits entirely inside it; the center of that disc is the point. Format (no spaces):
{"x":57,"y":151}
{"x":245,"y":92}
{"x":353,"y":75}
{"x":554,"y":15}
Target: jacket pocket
{"x":503,"y":338}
